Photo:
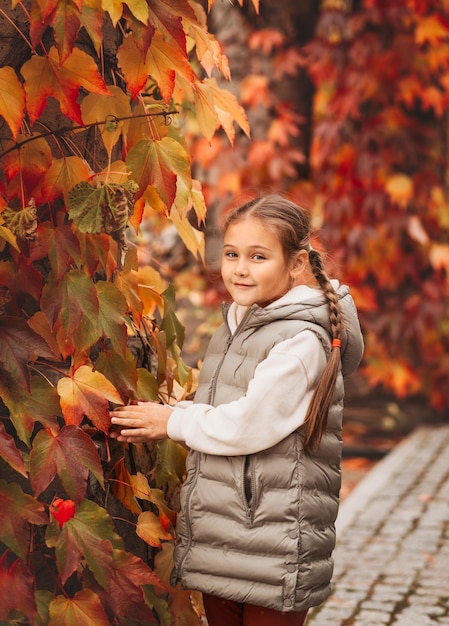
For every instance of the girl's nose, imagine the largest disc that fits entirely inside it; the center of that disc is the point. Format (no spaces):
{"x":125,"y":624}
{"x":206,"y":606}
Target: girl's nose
{"x":241,"y":268}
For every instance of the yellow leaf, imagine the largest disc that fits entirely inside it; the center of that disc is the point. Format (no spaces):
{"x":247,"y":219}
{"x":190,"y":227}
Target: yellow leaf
{"x":192,"y":238}
{"x":96,"y":108}
{"x":62,"y":175}
{"x":84,"y":609}
{"x":400,"y":189}
{"x":166,"y":63}
{"x":150,"y":529}
{"x":226,"y":107}
{"x":12,"y":99}
{"x":431,"y":29}
{"x":87,"y":393}
{"x":151,"y":286}
{"x":139,"y":8}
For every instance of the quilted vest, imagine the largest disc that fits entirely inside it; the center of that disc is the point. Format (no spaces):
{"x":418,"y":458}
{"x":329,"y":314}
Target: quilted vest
{"x":259,"y":528}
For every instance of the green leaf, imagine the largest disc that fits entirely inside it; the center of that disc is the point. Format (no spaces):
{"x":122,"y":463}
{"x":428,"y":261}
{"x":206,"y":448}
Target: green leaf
{"x":89,"y":534}
{"x":17,"y":510}
{"x":121,"y":372}
{"x":170,"y":464}
{"x":70,"y":454}
{"x":172,"y":327}
{"x":147,"y":387}
{"x":112,"y":318}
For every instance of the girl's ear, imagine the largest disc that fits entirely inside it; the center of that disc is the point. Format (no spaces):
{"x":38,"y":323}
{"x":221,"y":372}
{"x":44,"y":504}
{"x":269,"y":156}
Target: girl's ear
{"x":299,"y":263}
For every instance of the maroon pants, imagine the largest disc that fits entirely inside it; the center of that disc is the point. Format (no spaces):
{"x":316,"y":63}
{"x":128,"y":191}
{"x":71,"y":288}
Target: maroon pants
{"x":227,"y":613}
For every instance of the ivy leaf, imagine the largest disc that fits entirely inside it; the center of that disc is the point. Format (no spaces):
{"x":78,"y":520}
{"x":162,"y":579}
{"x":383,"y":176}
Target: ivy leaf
{"x":112,"y":315}
{"x":12,"y":99}
{"x":84,"y":609}
{"x":45,"y":77}
{"x":32,"y":160}
{"x":60,"y":244}
{"x":150,"y":529}
{"x":143,"y":491}
{"x":97,"y":108}
{"x":211,"y":100}
{"x":139,"y":8}
{"x":124,"y":594}
{"x":62,"y":175}
{"x":65,"y":304}
{"x":170,"y":464}
{"x":87,"y":393}
{"x":19,"y":345}
{"x":192,"y":238}
{"x":16,"y":590}
{"x":41,"y":405}
{"x":158,"y":164}
{"x":17,"y":510}
{"x":89,"y":534}
{"x":65,"y":21}
{"x":122,"y":489}
{"x":166,"y":17}
{"x":165,"y":64}
{"x":9,"y":451}
{"x":121,"y":371}
{"x":70,"y":454}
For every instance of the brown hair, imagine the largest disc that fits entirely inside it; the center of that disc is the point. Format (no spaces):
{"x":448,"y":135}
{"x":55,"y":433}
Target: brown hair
{"x":292,"y":224}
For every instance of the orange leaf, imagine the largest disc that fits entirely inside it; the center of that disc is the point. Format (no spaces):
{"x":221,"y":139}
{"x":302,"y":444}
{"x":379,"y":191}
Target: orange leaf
{"x":62,"y":175}
{"x":150,"y":529}
{"x":99,"y":108}
{"x":87,"y":393}
{"x":45,"y":77}
{"x":83,"y":609}
{"x":9,"y":451}
{"x":431,"y":29}
{"x":12,"y":99}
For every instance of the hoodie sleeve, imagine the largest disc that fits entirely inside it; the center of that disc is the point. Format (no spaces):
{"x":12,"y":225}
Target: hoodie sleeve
{"x":274,"y":406}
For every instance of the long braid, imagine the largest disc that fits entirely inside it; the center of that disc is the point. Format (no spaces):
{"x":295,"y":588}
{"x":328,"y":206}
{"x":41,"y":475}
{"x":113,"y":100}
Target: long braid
{"x":316,"y":416}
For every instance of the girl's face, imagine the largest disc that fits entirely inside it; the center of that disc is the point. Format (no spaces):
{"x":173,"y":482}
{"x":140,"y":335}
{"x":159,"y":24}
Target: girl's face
{"x":254,"y":268}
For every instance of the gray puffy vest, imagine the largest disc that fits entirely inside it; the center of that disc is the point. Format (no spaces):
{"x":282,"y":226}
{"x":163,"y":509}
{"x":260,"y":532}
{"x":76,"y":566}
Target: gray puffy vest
{"x":259,"y":528}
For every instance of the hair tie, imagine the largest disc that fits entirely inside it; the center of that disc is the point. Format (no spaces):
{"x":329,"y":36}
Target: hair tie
{"x":336,"y":343}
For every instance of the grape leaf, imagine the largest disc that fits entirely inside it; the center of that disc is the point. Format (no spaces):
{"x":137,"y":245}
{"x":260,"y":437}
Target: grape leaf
{"x":70,"y":454}
{"x":17,"y":510}
{"x":87,"y":393}
{"x":84,"y":609}
{"x":12,"y":99}
{"x":45,"y":77}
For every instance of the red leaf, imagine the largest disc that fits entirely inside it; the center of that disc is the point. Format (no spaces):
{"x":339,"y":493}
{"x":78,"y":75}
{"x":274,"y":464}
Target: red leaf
{"x":62,"y":510}
{"x":71,"y":454}
{"x":45,"y":77}
{"x":9,"y":451}
{"x":84,"y":609}
{"x":16,"y":590}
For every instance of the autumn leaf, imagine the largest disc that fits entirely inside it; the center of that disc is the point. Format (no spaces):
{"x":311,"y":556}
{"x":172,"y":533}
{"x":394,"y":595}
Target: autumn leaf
{"x":139,"y":8}
{"x":192,"y":238}
{"x":89,"y":534}
{"x":112,"y":317}
{"x":65,"y":304}
{"x":12,"y":99}
{"x":120,"y":371}
{"x":16,"y":590}
{"x":124,"y":593}
{"x":150,"y":529}
{"x":25,"y":408}
{"x":61,"y":176}
{"x":158,"y":164}
{"x":107,"y":111}
{"x":170,"y":464}
{"x":32,"y":159}
{"x":9,"y":451}
{"x":19,"y":345}
{"x":62,"y":510}
{"x":87,"y":393}
{"x":166,"y":64}
{"x":143,"y":491}
{"x":17,"y":511}
{"x":122,"y":489}
{"x":84,"y":609}
{"x":60,"y":245}
{"x":400,"y":189}
{"x":70,"y":454}
{"x":45,"y":77}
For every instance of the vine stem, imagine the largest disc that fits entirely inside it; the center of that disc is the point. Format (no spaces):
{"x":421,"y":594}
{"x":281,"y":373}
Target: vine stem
{"x":62,"y":131}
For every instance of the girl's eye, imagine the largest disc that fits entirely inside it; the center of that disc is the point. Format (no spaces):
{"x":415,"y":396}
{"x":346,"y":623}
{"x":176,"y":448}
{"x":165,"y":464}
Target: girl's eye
{"x":258,"y":257}
{"x":230,"y":254}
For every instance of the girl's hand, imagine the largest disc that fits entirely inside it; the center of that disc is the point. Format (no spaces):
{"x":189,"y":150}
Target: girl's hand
{"x":138,"y":423}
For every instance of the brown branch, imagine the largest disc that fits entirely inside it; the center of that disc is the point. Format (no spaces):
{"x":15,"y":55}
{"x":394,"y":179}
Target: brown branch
{"x":69,"y":129}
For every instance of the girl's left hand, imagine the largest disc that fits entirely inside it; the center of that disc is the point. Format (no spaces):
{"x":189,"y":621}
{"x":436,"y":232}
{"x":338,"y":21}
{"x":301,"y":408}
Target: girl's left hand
{"x":138,"y":423}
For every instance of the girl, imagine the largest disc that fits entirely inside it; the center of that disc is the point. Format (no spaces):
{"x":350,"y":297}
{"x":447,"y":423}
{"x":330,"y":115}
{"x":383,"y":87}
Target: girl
{"x":256,"y":529}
